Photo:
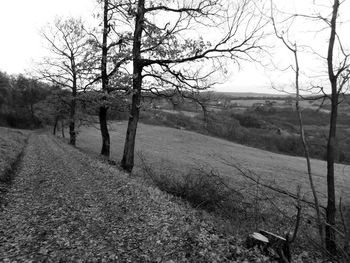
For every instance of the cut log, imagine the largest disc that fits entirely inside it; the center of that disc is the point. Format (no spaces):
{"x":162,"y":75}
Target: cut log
{"x":280,"y":245}
{"x":272,"y":237}
{"x":257,"y":239}
{"x":271,"y":245}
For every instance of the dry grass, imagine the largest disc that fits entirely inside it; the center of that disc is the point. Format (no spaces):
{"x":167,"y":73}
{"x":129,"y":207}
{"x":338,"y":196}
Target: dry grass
{"x":186,"y":113}
{"x":174,"y":152}
{"x":12,"y":143}
{"x":181,"y":151}
{"x":64,"y":206}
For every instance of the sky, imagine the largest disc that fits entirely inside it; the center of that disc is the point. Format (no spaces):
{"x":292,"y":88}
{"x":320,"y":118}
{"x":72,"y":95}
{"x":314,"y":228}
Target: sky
{"x":21,"y":43}
{"x":20,"y":25}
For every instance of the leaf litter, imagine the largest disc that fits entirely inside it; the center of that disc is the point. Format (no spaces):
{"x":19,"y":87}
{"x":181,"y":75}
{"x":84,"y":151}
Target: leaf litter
{"x":65,"y":206}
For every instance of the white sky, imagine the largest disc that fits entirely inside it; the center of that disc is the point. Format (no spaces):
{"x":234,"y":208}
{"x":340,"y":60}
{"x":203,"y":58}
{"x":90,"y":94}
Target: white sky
{"x":20,"y":24}
{"x":21,"y":21}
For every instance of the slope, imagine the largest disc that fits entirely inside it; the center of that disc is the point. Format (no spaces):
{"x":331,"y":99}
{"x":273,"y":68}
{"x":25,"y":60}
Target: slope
{"x":64,"y":206}
{"x":180,"y":151}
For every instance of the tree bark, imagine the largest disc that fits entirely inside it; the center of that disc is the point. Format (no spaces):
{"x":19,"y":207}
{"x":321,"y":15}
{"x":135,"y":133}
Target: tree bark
{"x":73,"y":105}
{"x":127,"y":162}
{"x":306,"y":147}
{"x":72,"y":133}
{"x":55,"y":126}
{"x":104,"y":131}
{"x":105,"y":150}
{"x":331,"y":144}
{"x":331,"y":203}
{"x":205,"y":113}
{"x":62,"y":129}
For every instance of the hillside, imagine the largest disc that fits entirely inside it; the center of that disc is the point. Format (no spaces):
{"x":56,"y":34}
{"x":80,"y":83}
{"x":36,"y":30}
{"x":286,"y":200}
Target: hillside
{"x":64,"y":206}
{"x":180,"y":150}
{"x":250,"y":94}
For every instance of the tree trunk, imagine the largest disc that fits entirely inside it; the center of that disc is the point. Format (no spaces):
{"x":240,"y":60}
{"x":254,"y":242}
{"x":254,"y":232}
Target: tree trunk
{"x":72,"y":133}
{"x":62,"y":129}
{"x":331,"y":144}
{"x":129,"y":148}
{"x":104,"y":131}
{"x":306,"y":149}
{"x":331,"y":203}
{"x":127,"y":162}
{"x":55,"y":126}
{"x":205,"y":113}
{"x":104,"y":77}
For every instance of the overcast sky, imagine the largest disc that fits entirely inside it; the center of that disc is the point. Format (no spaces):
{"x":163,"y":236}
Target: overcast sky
{"x":21,"y":21}
{"x":20,"y":24}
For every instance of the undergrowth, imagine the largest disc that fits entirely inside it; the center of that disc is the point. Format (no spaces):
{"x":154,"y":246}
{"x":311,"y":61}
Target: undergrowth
{"x":240,"y":209}
{"x":12,"y":143}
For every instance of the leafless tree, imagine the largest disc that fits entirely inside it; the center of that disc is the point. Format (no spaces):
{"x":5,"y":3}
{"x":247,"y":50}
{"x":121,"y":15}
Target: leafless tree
{"x":168,"y":50}
{"x":203,"y":99}
{"x":293,"y":48}
{"x":68,"y":65}
{"x":114,"y":53}
{"x":57,"y":106}
{"x":338,"y":77}
{"x":338,"y":72}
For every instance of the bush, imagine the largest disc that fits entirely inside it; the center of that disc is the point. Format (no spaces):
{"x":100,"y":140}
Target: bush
{"x":200,"y":187}
{"x":20,"y":121}
{"x":178,"y":120}
{"x":248,"y":121}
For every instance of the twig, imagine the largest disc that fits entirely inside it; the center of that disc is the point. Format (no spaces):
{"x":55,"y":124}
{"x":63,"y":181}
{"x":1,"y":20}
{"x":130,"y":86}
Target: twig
{"x":275,"y":189}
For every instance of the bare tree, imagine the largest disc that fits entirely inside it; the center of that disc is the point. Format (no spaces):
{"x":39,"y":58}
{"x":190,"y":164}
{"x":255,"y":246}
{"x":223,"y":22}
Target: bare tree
{"x":203,"y":99}
{"x":114,"y":53}
{"x":57,"y":105}
{"x":338,"y":76}
{"x":68,"y":64}
{"x":293,"y":48}
{"x":169,"y":51}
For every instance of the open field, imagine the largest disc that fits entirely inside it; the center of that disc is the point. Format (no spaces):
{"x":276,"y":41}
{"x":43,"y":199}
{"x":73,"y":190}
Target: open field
{"x":180,"y":150}
{"x":186,"y":113}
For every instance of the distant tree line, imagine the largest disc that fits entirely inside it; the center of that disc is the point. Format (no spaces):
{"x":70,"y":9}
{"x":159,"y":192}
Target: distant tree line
{"x":19,"y":96}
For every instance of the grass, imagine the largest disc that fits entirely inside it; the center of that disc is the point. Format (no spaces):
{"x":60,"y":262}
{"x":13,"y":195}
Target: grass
{"x":173,"y":155}
{"x":274,"y":130}
{"x":181,"y":150}
{"x":12,"y":143}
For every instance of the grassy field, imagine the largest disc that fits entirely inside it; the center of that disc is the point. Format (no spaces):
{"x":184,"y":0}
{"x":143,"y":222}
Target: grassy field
{"x":180,"y":150}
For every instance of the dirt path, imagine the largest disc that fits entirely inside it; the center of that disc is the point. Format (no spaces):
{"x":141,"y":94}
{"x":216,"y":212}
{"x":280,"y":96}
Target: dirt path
{"x":64,"y":206}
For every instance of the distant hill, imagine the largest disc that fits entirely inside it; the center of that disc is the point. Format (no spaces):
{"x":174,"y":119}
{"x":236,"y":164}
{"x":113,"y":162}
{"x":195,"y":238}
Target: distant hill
{"x":251,"y":94}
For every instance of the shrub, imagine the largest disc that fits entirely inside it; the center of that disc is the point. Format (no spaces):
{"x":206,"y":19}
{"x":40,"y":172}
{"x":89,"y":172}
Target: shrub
{"x":21,"y":121}
{"x":201,"y":187}
{"x":248,"y":121}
